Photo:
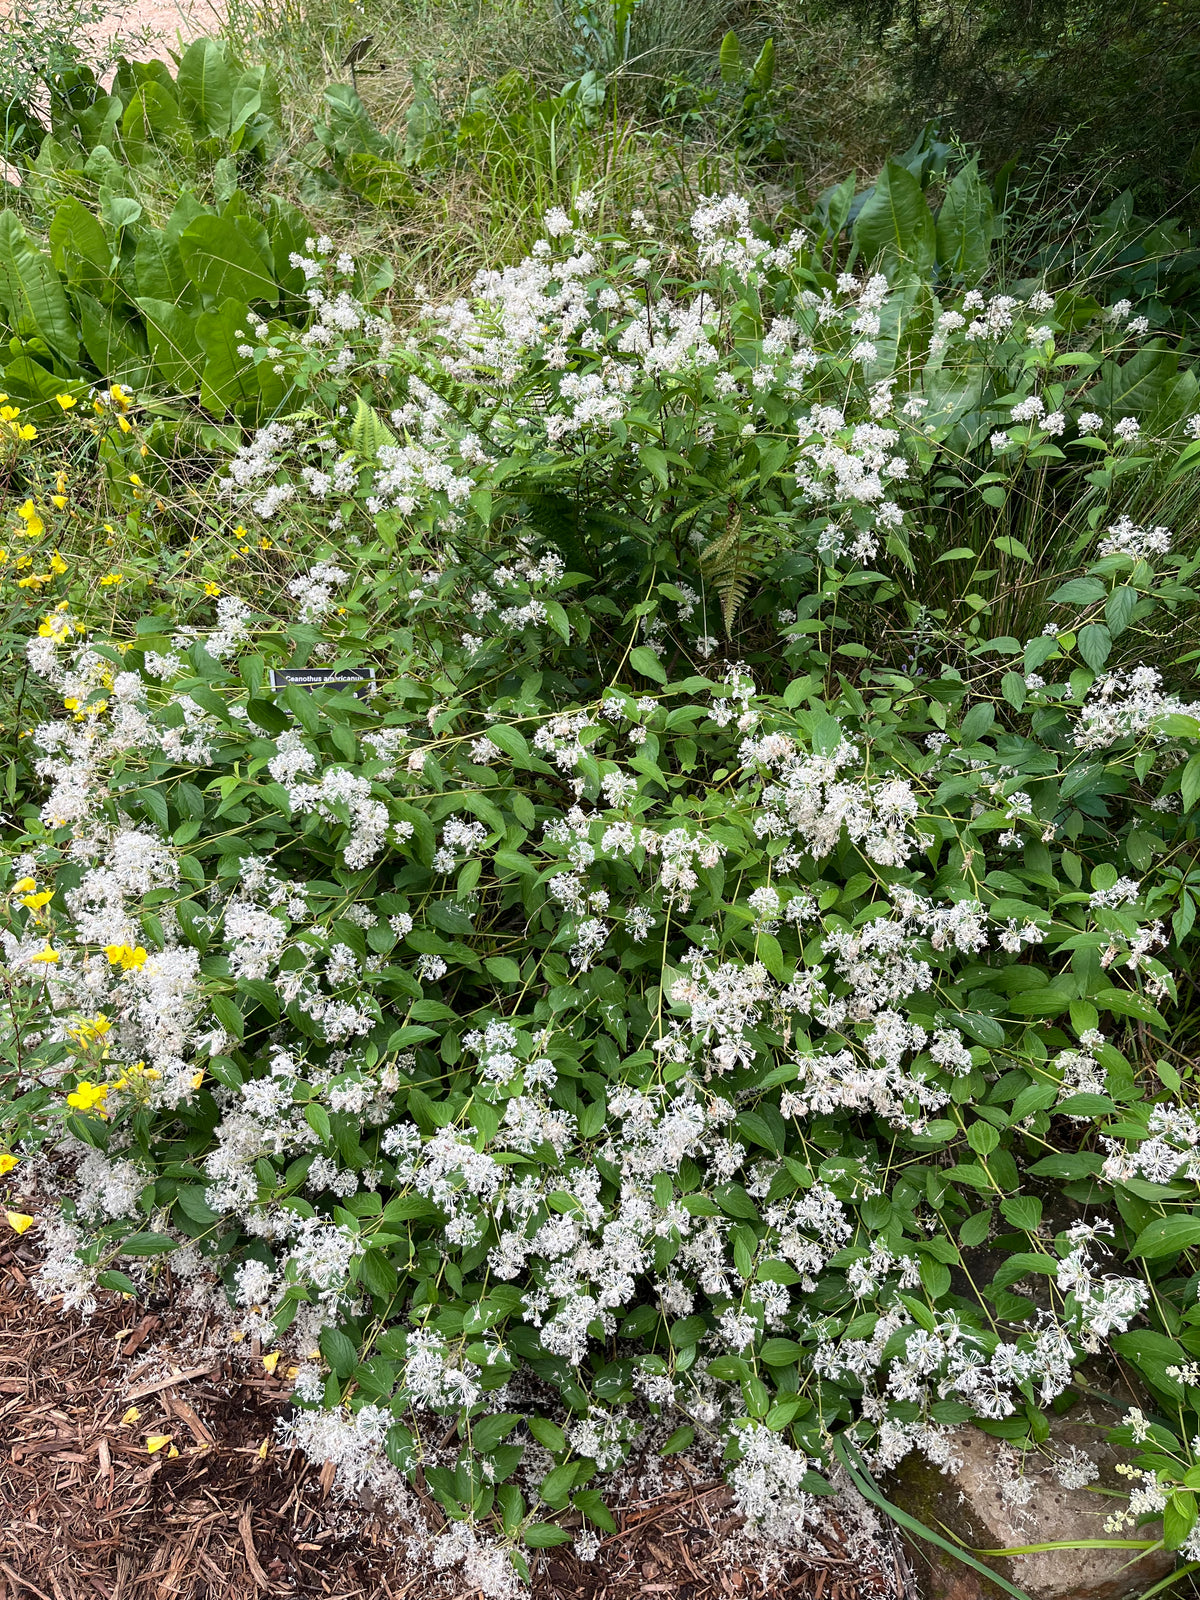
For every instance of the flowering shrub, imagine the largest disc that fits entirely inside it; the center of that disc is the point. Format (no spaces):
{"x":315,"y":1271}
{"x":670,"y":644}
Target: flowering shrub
{"x":636,"y":1010}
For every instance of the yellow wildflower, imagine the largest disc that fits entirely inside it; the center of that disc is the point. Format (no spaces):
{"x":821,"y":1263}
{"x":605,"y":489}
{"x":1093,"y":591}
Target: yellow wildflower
{"x":35,"y":902}
{"x":24,"y":886}
{"x":132,"y":1415}
{"x":47,"y":956}
{"x":7,"y":1162}
{"x":212,"y":590}
{"x":18,"y":1221}
{"x":58,"y":566}
{"x":271,"y":1361}
{"x":124,"y":425}
{"x":66,"y":401}
{"x":197,"y":1078}
{"x":120,"y":955}
{"x":88,"y":1096}
{"x":109,"y":578}
{"x":118,"y":397}
{"x":34,"y":526}
{"x":157,"y":1441}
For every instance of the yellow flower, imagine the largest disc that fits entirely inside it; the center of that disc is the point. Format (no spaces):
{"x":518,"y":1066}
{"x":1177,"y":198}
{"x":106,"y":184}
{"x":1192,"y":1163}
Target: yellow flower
{"x":66,"y":401}
{"x":7,"y":1163}
{"x":58,"y":501}
{"x":87,"y":1096}
{"x":34,"y":526}
{"x":109,"y":578}
{"x":88,"y":1029}
{"x":58,"y":566}
{"x":264,"y":1448}
{"x":118,"y":397}
{"x":197,"y":1078}
{"x":132,"y":1415}
{"x":120,"y":955}
{"x":264,"y":543}
{"x":124,"y":425}
{"x":47,"y":956}
{"x":271,"y":1361}
{"x":18,"y":1221}
{"x":24,"y":886}
{"x":35,"y":902}
{"x":157,"y":1441}
{"x":212,"y":590}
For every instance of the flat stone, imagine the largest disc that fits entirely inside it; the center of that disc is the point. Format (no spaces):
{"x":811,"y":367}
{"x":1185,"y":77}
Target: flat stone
{"x":996,"y":1498}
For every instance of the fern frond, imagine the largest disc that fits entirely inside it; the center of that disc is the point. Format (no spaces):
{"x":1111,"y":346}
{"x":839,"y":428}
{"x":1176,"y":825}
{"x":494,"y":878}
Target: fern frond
{"x":730,"y":563}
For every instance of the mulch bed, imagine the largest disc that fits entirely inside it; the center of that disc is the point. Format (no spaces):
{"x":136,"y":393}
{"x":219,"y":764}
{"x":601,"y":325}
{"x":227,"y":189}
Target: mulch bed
{"x":86,"y":1512}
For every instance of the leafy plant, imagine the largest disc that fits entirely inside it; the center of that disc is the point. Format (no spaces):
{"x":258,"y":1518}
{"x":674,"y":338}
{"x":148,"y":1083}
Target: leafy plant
{"x":674,"y":1027}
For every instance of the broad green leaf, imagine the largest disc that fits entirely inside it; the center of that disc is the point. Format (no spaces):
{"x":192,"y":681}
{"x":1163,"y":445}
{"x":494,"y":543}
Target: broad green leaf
{"x":895,"y":223}
{"x":80,"y":247}
{"x":205,"y":87}
{"x":229,"y":380}
{"x":966,"y":225}
{"x":224,"y":261}
{"x":642,"y":659}
{"x":148,"y":1244}
{"x":151,"y":123}
{"x":730,"y":60}
{"x":1166,"y":1236}
{"x":159,"y":268}
{"x":174,"y":347}
{"x":31,"y":292}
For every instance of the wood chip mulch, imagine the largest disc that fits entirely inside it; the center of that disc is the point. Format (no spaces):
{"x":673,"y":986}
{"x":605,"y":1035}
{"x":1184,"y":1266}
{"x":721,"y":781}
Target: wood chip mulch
{"x":87,"y":1513}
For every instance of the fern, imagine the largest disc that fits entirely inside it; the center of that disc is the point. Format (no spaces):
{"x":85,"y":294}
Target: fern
{"x":730,"y":563}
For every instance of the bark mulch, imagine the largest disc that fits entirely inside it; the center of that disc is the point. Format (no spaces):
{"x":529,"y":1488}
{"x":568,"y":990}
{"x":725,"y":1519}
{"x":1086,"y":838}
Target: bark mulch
{"x":86,"y":1511}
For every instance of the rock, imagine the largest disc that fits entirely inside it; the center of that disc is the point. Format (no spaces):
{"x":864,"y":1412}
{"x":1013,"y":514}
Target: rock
{"x":999,"y":1499}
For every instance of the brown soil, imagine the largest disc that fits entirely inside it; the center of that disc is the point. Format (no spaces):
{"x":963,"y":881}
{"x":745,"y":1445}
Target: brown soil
{"x":86,"y":1511}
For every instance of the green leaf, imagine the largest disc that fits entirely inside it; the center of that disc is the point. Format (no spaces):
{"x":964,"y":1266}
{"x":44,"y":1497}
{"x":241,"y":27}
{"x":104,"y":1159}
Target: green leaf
{"x":591,"y":1503}
{"x":79,"y":246}
{"x":642,"y":659}
{"x":1167,"y":1236}
{"x":504,"y":968}
{"x":173,"y":345}
{"x":548,"y":1433}
{"x":1189,"y":782}
{"x":379,"y":180}
{"x":1012,"y":687}
{"x":232,"y":381}
{"x":225,"y":262}
{"x":780,"y":1352}
{"x":195,"y":1207}
{"x":545,"y":1535}
{"x":1024,"y":1212}
{"x":116,"y":1281}
{"x":147,"y":1244}
{"x":31,"y":292}
{"x":1094,"y":642}
{"x":1079,"y":592}
{"x":340,"y":1352}
{"x":151,"y":122}
{"x":369,"y":432}
{"x":730,"y":59}
{"x":966,"y":225}
{"x":895,"y":222}
{"x":205,"y":87}
{"x":681,"y":1439}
